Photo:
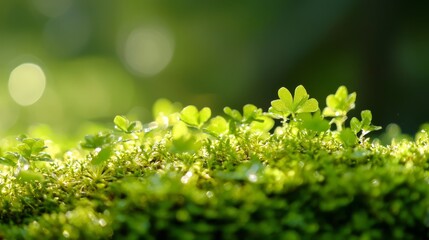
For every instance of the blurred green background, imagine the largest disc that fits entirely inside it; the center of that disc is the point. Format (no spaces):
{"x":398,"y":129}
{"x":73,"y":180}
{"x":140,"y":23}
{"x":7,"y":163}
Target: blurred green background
{"x":65,"y":62}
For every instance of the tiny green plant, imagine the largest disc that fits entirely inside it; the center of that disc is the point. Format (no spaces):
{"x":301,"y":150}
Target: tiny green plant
{"x":193,"y":117}
{"x":364,"y":126}
{"x":190,"y":175}
{"x":125,"y":125}
{"x":288,"y":105}
{"x":338,"y":105}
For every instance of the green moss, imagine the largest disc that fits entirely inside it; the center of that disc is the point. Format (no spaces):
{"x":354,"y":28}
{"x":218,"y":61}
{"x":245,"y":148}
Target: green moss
{"x":188,"y":175}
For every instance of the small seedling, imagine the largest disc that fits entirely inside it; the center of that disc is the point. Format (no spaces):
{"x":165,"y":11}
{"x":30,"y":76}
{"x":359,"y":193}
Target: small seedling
{"x":124,"y":125}
{"x":286,"y":105}
{"x":190,"y":115}
{"x":364,"y":126}
{"x":338,"y":106}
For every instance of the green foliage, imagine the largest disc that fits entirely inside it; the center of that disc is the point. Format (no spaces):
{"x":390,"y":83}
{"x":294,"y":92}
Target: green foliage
{"x":348,"y":137}
{"x":193,"y":117}
{"x":252,"y":116}
{"x":364,"y":126}
{"x":125,"y":125}
{"x":26,"y":150}
{"x":286,"y":105}
{"x":188,"y":175}
{"x":218,"y":126}
{"x":314,"y":122}
{"x":339,"y":105}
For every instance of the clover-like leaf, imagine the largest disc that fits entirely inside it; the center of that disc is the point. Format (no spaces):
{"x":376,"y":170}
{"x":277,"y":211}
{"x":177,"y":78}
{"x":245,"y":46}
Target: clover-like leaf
{"x":97,"y":141}
{"x":164,"y":107}
{"x":365,"y":125}
{"x":218,"y":125}
{"x":262,"y":123}
{"x":183,"y":140}
{"x":310,"y":105}
{"x":121,"y":123}
{"x":30,"y":146}
{"x":339,"y":104}
{"x":30,"y":149}
{"x":124,"y":125}
{"x":285,"y":96}
{"x":233,"y":114}
{"x":193,"y":117}
{"x":250,"y":112}
{"x":189,"y":115}
{"x":300,"y":95}
{"x":314,"y":122}
{"x":180,"y":130}
{"x":286,"y":105}
{"x":204,"y":115}
{"x":348,"y":137}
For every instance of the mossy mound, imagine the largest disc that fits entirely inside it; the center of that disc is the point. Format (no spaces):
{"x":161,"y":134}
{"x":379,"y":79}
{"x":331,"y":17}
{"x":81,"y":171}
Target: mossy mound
{"x":188,"y":175}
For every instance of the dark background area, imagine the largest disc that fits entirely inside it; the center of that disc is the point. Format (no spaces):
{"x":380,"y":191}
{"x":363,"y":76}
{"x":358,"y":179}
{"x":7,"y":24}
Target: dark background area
{"x":102,"y":58}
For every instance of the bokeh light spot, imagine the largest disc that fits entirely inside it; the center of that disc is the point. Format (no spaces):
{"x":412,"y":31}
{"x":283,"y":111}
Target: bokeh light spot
{"x":148,"y":51}
{"x":27,"y":84}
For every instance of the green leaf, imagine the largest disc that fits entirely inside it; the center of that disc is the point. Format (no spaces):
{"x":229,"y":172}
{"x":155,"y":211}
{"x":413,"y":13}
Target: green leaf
{"x":180,"y":130}
{"x":185,"y":145}
{"x":7,"y":162}
{"x":132,"y":127}
{"x":43,"y":156}
{"x":341,"y":92}
{"x":24,"y":150}
{"x":102,"y":156}
{"x":204,"y":115}
{"x":183,"y":140}
{"x":348,"y":137}
{"x":366,"y":117}
{"x":287,"y":105}
{"x":316,"y":124}
{"x":332,"y":102}
{"x":311,"y":105}
{"x":29,"y":176}
{"x":164,"y":107}
{"x":300,"y":95}
{"x":280,"y":106}
{"x":35,"y":145}
{"x":233,"y":114}
{"x":285,"y":97}
{"x":121,"y":123}
{"x":263,"y":124}
{"x":365,"y":125}
{"x":249,"y":112}
{"x":355,"y":125}
{"x":339,"y":104}
{"x":190,"y":115}
{"x":218,"y":125}
{"x":97,"y":141}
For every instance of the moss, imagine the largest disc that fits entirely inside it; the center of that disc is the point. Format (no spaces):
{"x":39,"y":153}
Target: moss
{"x":229,"y":177}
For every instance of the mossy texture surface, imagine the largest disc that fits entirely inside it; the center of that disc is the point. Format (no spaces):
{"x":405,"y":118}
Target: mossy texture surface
{"x":188,"y":175}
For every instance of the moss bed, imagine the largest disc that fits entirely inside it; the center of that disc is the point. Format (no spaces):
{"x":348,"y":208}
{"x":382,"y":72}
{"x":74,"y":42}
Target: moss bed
{"x":292,"y":172}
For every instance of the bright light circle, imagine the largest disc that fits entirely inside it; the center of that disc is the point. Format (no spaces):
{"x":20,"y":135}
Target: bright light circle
{"x":148,"y":51}
{"x":26,"y":84}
